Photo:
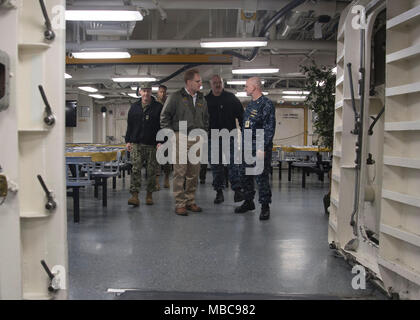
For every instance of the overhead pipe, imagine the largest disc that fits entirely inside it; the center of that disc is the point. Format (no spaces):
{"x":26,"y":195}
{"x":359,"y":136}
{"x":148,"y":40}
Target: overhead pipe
{"x":184,"y":68}
{"x":163,"y":14}
{"x":153,"y":44}
{"x":264,"y":30}
{"x":210,"y":4}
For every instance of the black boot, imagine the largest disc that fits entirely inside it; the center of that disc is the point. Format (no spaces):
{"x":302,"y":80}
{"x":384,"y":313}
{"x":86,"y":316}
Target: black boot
{"x":219,"y":197}
{"x":246,"y":206}
{"x":239,"y":196}
{"x":265,"y":212}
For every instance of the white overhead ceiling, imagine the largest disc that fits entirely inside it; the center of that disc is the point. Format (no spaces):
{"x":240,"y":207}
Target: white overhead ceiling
{"x":176,"y":27}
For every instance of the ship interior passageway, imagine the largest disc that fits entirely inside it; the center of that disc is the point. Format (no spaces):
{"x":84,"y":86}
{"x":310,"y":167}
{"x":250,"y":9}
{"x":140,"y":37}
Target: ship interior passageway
{"x":215,"y":254}
{"x":86,"y":88}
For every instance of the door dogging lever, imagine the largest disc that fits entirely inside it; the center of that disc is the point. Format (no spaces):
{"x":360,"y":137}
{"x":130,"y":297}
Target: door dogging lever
{"x":49,"y":119}
{"x":49,"y":33}
{"x":54,"y":282}
{"x":51,"y":204}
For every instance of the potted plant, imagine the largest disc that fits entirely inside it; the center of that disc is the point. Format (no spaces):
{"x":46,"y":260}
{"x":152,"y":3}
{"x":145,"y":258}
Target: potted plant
{"x":320,"y":84}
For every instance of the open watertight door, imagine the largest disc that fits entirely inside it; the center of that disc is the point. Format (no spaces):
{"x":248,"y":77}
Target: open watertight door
{"x":375,"y":194}
{"x":33,"y":223}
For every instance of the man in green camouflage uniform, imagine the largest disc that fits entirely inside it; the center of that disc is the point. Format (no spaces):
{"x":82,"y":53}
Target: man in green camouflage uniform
{"x":143,"y":123}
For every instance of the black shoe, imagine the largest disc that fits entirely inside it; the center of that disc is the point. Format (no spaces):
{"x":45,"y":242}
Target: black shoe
{"x":239,"y":196}
{"x":246,"y":206}
{"x":265,"y":212}
{"x":219,"y":197}
{"x":202,"y":181}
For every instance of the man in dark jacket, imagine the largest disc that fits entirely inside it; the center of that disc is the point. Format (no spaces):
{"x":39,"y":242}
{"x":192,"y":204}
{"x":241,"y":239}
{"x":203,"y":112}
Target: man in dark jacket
{"x":143,"y":123}
{"x":224,"y":110}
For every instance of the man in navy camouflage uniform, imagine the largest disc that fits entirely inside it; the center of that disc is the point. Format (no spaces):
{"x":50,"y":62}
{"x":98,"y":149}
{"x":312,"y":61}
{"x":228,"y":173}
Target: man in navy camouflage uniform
{"x":259,"y":114}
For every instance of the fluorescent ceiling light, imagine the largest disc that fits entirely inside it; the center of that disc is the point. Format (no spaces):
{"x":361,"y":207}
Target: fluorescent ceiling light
{"x":154,"y":89}
{"x":239,"y":82}
{"x":133,"y":95}
{"x":294,"y":97}
{"x":233,"y":43}
{"x":295,"y":74}
{"x":103,"y":15}
{"x":260,"y":70}
{"x":67,"y":76}
{"x":97,"y":96}
{"x":88,"y":89}
{"x":134,"y":79}
{"x":297,"y":92}
{"x":101,"y":55}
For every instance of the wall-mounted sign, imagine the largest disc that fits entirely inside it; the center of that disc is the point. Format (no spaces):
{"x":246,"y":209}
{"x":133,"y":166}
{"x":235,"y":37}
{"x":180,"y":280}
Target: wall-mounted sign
{"x":290,"y":116}
{"x":84,"y":112}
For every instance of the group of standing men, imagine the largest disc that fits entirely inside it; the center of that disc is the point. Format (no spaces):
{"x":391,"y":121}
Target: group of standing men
{"x":220,"y":109}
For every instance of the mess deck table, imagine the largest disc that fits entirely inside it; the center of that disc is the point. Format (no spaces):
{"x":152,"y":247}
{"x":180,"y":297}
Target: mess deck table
{"x":97,"y":163}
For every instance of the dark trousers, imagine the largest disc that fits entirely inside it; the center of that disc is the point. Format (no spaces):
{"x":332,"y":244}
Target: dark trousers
{"x":203,"y":172}
{"x":218,"y":170}
{"x":264,"y":189}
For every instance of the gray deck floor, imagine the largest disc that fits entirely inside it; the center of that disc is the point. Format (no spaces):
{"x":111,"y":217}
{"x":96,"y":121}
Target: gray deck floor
{"x":215,"y":254}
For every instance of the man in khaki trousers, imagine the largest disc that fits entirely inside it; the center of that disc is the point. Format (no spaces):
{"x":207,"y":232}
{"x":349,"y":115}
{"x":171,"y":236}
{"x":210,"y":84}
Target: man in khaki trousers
{"x":187,"y":104}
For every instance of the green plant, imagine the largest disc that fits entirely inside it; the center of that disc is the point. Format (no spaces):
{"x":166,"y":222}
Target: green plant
{"x":321,"y":101}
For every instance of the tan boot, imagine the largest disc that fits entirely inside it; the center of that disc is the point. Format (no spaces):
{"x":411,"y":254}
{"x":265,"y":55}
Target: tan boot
{"x":149,"y":199}
{"x":157,"y":187}
{"x":134,"y":200}
{"x":166,"y":185}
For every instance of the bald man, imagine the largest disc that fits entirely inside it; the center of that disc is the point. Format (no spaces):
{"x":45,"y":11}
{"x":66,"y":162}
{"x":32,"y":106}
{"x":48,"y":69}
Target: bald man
{"x":259,"y":114}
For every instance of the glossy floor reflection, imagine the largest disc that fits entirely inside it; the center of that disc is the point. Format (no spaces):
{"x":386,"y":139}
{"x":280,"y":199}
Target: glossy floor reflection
{"x":216,"y":253}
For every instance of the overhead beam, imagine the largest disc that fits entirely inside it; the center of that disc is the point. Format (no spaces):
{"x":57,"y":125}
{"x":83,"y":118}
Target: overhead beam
{"x":216,"y":59}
